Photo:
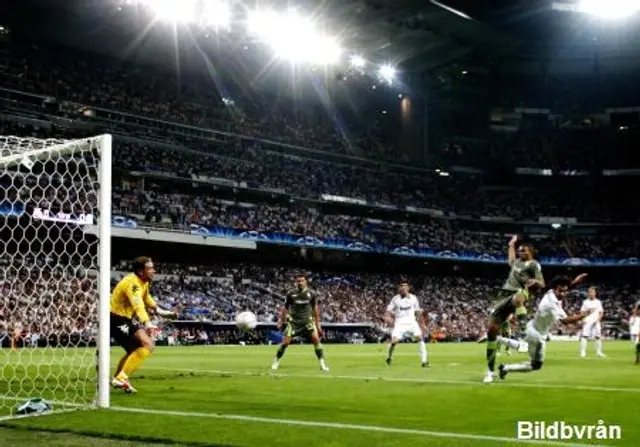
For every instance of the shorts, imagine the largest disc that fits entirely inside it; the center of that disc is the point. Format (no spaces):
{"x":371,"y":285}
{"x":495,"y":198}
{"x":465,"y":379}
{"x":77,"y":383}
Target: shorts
{"x":123,"y":331}
{"x":406,"y":330}
{"x":592,"y":330}
{"x":300,"y":330}
{"x":635,"y":339}
{"x":504,"y":306}
{"x":537,"y":344}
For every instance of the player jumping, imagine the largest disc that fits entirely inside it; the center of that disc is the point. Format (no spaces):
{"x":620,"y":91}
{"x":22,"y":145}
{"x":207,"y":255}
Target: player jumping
{"x":591,"y":327}
{"x":408,"y":321}
{"x":300,"y":316}
{"x":525,"y":274}
{"x":131,"y":325}
{"x":549,"y":312}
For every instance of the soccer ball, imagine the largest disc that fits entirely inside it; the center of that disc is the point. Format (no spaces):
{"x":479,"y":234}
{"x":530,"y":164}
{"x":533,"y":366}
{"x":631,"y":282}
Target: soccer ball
{"x":246,"y":321}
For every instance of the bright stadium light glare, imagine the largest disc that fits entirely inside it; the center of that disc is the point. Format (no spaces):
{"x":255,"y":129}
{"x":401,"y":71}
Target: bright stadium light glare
{"x":325,"y":51}
{"x":357,"y":61}
{"x":293,"y":37}
{"x":182,"y":11}
{"x":217,"y":13}
{"x":609,"y":9}
{"x":387,"y":73}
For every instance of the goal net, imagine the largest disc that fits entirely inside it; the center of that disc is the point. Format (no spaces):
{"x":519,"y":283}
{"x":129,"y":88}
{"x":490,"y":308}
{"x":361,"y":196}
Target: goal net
{"x":55,"y":213}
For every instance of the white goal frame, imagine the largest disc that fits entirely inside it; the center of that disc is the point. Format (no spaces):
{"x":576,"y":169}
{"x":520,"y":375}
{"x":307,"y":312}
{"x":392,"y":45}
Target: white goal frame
{"x":102,"y":228}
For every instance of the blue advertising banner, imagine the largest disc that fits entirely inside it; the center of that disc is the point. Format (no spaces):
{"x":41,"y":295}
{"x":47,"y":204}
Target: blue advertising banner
{"x":352,"y":245}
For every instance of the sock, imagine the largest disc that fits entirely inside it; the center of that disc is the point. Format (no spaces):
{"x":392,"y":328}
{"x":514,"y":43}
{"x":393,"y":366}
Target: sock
{"x":521,"y":316}
{"x":598,"y":346}
{"x":319,"y":352}
{"x":518,"y":367}
{"x":280,"y":352}
{"x":583,"y":346}
{"x":391,"y":348}
{"x":638,"y":350}
{"x":133,"y":362}
{"x":423,"y":351}
{"x":509,"y":343}
{"x":492,"y":345}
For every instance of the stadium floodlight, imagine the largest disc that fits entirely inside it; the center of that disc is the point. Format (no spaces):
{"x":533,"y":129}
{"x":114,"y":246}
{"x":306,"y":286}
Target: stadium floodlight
{"x":609,"y":9}
{"x":602,"y":9}
{"x":387,"y":73}
{"x":216,"y":13}
{"x":64,"y":244}
{"x":293,"y":37}
{"x":357,"y":61}
{"x":176,"y":11}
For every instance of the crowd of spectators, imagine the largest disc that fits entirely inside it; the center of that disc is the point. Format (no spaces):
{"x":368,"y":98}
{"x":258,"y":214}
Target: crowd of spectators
{"x":184,"y":210}
{"x":150,"y":92}
{"x":193,"y":100}
{"x":312,"y":178}
{"x":196,"y":207}
{"x":50,"y":301}
{"x":309,"y":178}
{"x":455,"y":306}
{"x":46,"y":299}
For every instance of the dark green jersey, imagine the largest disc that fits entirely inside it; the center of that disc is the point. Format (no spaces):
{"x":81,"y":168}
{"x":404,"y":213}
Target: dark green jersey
{"x":521,"y":272}
{"x":300,"y":305}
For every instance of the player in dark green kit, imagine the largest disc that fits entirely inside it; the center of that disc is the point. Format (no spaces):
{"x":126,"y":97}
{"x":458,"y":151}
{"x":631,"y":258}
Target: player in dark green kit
{"x":300,"y":317}
{"x":525,"y":275}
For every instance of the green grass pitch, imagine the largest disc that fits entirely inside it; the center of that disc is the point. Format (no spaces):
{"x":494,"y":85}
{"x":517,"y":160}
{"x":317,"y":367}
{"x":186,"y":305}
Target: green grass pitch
{"x":228,"y":396}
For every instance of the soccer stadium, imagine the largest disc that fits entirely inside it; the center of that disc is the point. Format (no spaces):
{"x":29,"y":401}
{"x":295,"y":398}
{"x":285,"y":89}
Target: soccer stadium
{"x":337,"y":223}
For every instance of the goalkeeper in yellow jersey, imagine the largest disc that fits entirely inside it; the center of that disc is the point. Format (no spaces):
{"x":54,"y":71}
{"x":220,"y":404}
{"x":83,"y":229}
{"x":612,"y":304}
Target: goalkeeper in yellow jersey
{"x":131,"y":325}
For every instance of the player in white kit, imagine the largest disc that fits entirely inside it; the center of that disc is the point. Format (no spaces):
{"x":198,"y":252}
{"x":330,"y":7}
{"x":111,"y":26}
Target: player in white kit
{"x":549,"y":312}
{"x":634,"y":330}
{"x":405,"y":313}
{"x":591,"y":327}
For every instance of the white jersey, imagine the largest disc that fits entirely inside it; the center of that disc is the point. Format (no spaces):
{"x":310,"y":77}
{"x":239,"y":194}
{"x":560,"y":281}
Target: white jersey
{"x":634,"y":325}
{"x":593,"y":307}
{"x":404,"y":308}
{"x":549,"y":312}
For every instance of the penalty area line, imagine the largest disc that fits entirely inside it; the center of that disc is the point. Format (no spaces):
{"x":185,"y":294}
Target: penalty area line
{"x":341,"y":426}
{"x":395,"y":379}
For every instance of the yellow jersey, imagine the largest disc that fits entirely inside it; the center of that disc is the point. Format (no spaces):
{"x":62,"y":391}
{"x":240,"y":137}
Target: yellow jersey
{"x":131,"y":298}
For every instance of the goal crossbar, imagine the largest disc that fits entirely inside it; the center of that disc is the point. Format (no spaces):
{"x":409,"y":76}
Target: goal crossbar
{"x":63,"y":147}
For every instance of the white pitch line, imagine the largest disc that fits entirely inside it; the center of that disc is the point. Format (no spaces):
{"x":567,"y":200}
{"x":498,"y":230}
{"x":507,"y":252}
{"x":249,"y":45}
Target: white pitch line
{"x":337,"y":425}
{"x":398,"y":379}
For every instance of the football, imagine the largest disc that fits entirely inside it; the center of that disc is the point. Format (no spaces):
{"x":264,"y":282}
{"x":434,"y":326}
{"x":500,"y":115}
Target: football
{"x":246,"y":321}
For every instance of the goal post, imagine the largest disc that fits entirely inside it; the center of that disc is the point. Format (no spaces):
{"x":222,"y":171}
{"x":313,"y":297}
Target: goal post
{"x":55,"y":259}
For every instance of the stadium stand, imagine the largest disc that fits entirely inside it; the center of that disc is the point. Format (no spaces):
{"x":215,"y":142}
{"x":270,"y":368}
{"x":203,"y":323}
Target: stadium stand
{"x":243,"y":157}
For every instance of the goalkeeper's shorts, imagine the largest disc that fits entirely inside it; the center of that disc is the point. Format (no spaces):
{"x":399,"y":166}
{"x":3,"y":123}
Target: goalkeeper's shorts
{"x":123,"y":331}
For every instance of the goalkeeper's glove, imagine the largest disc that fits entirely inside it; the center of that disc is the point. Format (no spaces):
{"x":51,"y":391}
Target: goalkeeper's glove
{"x":165,"y":313}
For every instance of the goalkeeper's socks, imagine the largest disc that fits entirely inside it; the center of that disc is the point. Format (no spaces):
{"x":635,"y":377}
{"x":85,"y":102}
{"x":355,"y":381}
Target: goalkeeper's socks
{"x":134,"y":360}
{"x":320,"y":353}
